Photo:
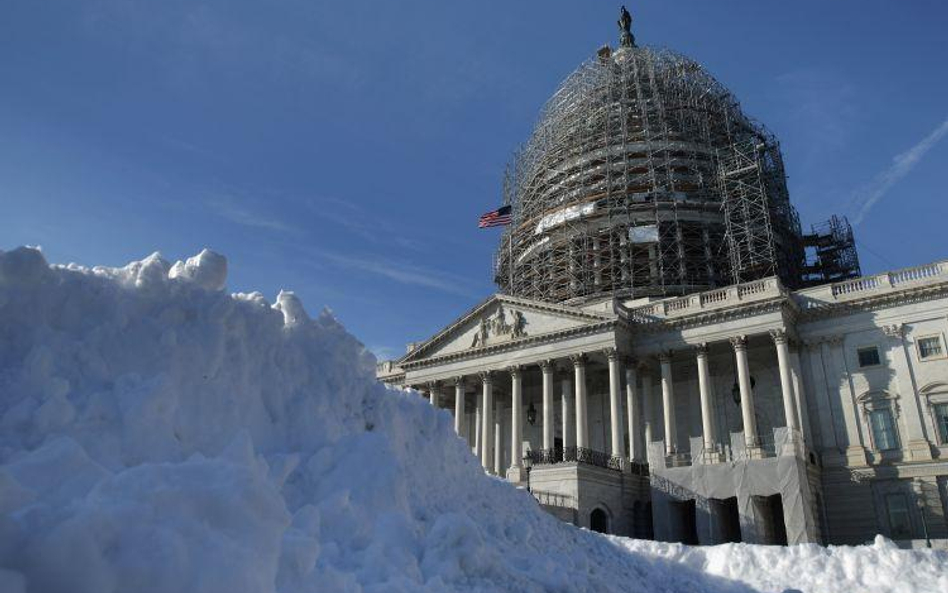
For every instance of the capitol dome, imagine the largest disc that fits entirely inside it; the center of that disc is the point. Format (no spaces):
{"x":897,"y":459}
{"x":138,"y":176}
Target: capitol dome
{"x":644,"y":178}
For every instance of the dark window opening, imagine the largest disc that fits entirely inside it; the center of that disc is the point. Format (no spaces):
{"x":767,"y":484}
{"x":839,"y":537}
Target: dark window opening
{"x":598,"y":521}
{"x":727,"y":519}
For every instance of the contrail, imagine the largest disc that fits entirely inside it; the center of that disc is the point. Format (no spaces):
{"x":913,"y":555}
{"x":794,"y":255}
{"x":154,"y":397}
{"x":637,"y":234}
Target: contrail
{"x":901,"y":166}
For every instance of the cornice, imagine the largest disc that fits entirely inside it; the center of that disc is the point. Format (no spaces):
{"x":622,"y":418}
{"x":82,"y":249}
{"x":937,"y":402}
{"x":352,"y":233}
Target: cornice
{"x":471,"y":353}
{"x":713,"y":316}
{"x":874,"y":302}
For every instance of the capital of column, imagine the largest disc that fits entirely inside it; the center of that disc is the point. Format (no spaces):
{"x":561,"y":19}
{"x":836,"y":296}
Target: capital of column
{"x":486,"y":377}
{"x":665,"y":356}
{"x":779,"y":336}
{"x":812,"y":344}
{"x":578,"y":360}
{"x":894,"y":331}
{"x":547,"y":366}
{"x":611,"y":354}
{"x":514,"y":370}
{"x":457,"y":381}
{"x":739,"y":342}
{"x":834,"y":340}
{"x":433,"y":385}
{"x":701,"y":350}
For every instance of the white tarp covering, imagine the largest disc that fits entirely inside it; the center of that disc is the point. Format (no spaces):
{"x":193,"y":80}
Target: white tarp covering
{"x":564,"y":215}
{"x":644,"y":234}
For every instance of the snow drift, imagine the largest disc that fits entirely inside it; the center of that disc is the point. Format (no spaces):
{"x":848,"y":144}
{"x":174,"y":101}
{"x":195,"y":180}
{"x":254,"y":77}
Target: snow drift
{"x":160,"y":435}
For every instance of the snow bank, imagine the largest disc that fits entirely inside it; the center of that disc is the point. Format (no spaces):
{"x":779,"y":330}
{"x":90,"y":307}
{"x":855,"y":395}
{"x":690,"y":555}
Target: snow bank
{"x":158,"y":434}
{"x":880,"y":567}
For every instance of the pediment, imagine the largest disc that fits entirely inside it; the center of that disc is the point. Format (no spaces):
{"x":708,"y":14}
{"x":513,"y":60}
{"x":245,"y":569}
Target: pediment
{"x":500,"y":320}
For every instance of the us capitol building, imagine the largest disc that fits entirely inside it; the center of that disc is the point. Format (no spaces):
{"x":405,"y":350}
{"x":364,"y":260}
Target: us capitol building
{"x":671,"y":355}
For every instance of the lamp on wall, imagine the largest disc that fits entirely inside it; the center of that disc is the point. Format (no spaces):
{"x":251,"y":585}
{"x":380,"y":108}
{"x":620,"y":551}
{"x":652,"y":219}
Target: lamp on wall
{"x":531,"y":414}
{"x":736,"y":391}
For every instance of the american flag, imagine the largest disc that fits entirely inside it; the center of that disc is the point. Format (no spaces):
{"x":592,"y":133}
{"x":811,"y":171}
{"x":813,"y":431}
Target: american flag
{"x":499,"y":217}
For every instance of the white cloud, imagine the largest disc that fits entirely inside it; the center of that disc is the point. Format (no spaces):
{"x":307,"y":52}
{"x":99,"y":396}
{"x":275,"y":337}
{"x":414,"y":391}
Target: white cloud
{"x":822,"y":109}
{"x":232,"y":211}
{"x":403,"y":273}
{"x":901,"y":166}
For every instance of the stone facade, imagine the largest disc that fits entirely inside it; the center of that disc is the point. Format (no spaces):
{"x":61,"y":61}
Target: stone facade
{"x":749,"y":413}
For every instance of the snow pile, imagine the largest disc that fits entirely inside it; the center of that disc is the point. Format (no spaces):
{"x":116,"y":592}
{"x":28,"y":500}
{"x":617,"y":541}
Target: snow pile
{"x":160,"y":435}
{"x":880,"y":567}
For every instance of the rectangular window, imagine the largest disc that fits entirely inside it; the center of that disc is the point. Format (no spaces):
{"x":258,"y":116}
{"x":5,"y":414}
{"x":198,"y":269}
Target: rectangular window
{"x":868,"y":356}
{"x":899,"y":524}
{"x":941,"y":419}
{"x":930,"y":347}
{"x":883,"y":429}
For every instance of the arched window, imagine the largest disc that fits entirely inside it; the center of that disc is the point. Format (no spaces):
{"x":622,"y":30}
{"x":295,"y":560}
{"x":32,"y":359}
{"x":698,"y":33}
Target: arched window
{"x":599,"y":521}
{"x":880,"y":411}
{"x":936,"y":398}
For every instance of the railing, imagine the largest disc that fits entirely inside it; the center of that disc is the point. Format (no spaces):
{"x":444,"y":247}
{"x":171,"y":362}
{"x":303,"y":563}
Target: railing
{"x":574,"y":455}
{"x":555,"y":499}
{"x":821,"y":296}
{"x":916,"y":273}
{"x":712,"y":299}
{"x":750,"y":288}
{"x":714,"y":296}
{"x":809,"y":298}
{"x":857,"y":285}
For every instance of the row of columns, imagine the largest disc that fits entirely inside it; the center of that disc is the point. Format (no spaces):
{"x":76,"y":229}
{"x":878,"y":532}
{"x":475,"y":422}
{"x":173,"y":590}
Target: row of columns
{"x":748,"y":411}
{"x":638,"y":422}
{"x":574,"y":410}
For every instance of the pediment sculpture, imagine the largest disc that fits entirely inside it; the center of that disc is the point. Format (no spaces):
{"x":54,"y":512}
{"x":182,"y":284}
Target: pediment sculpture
{"x":497,"y":328}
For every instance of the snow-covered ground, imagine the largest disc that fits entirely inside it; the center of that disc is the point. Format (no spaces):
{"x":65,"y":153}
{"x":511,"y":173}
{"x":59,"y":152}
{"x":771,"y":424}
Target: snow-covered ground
{"x":158,"y":434}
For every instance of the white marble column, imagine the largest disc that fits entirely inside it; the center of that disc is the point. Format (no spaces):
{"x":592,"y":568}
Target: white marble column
{"x":579,"y":374}
{"x":748,"y":417}
{"x":434,"y":393}
{"x":648,"y":412}
{"x":709,"y":438}
{"x":516,"y":424}
{"x":569,"y":426}
{"x":546,"y":366}
{"x":476,"y":436}
{"x":632,"y":409}
{"x":459,"y":406}
{"x":799,"y":396}
{"x":615,"y":405}
{"x":668,"y":404}
{"x":498,"y":440}
{"x":487,"y":421}
{"x":786,"y":382}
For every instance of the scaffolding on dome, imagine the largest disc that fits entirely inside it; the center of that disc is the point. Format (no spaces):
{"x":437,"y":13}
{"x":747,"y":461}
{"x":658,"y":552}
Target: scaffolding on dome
{"x":644,"y":178}
{"x":830,"y":252}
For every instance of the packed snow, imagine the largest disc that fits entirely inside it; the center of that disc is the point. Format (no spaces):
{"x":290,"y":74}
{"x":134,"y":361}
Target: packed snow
{"x":160,"y":435}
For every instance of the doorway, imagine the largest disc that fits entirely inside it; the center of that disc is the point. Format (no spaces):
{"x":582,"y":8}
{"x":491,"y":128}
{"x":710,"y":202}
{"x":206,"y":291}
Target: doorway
{"x":599,"y":521}
{"x":771,"y":527}
{"x":726,"y":520}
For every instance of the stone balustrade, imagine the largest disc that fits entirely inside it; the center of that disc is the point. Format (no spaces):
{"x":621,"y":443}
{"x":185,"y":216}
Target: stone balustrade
{"x":388,"y":370}
{"x":808,"y":298}
{"x":866,"y":286}
{"x":720,"y":298}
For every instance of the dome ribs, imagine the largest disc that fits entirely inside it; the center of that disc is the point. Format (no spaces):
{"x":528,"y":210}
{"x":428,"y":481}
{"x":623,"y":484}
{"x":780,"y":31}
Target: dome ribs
{"x":623,"y":187}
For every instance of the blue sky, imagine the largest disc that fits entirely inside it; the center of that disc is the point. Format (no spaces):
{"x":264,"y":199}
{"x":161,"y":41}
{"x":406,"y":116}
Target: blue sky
{"x":345,"y":149}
